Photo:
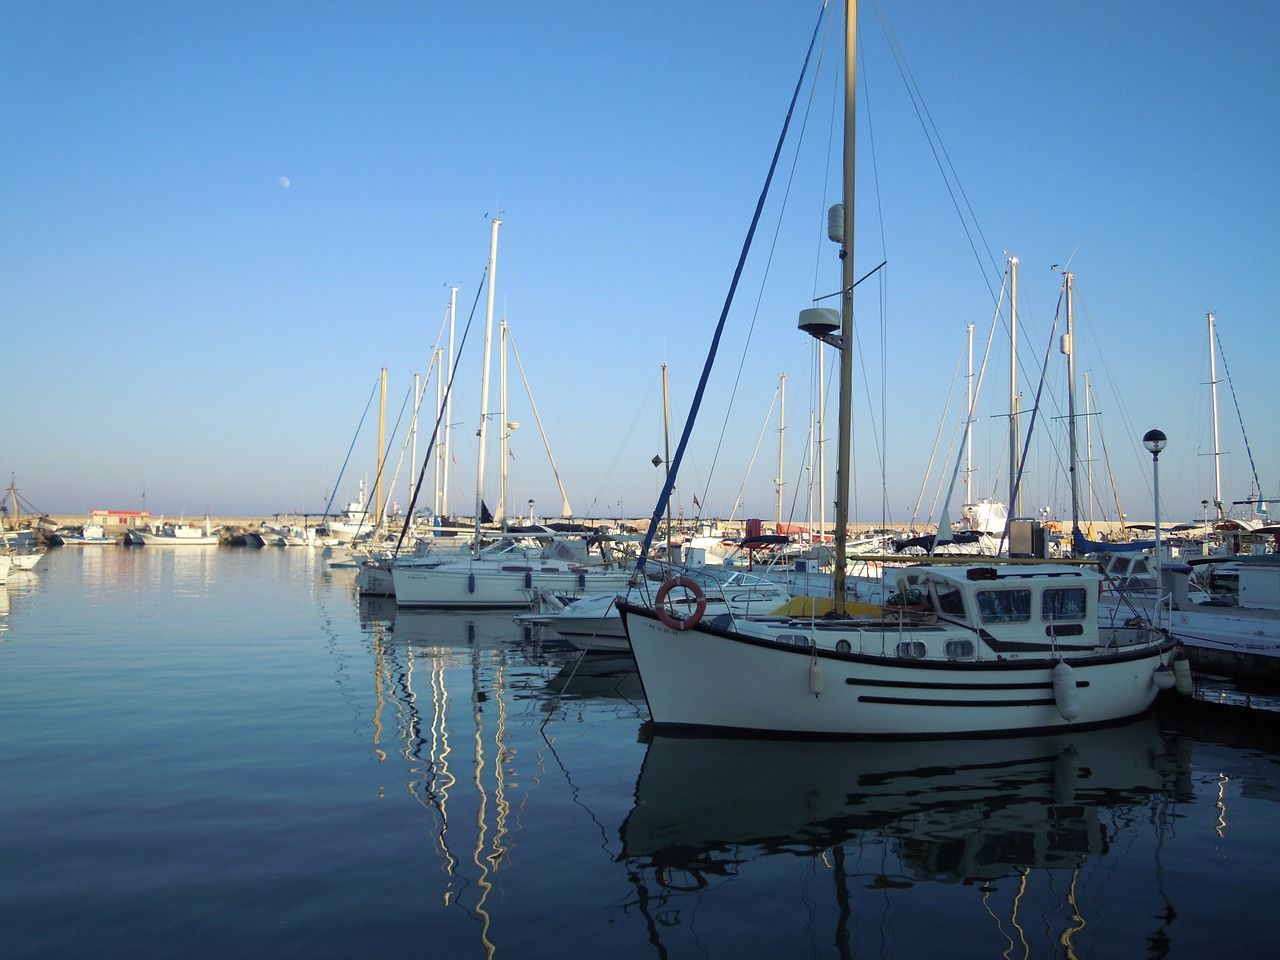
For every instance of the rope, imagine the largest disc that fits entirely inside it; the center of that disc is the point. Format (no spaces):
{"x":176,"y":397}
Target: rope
{"x":669,"y":484}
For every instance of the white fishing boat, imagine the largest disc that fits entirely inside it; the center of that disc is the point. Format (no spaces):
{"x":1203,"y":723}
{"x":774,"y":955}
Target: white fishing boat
{"x":972,"y":648}
{"x":172,"y":534}
{"x":91,"y":534}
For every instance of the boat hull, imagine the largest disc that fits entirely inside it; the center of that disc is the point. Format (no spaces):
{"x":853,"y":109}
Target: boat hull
{"x":478,"y":585}
{"x":712,"y":679}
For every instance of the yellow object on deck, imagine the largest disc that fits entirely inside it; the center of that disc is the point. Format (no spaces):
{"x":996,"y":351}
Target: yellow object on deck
{"x":821,"y":606}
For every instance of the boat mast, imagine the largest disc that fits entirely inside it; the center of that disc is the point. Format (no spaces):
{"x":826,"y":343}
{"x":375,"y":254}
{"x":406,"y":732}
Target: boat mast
{"x":968,"y":422}
{"x":382,"y":439}
{"x":1088,"y":449}
{"x":782,"y":426}
{"x":1213,"y":392}
{"x":446,"y":450}
{"x":504,"y":428}
{"x":666,"y":449}
{"x":1068,"y":347}
{"x":484,"y":382}
{"x":843,"y":456}
{"x":1014,"y":427}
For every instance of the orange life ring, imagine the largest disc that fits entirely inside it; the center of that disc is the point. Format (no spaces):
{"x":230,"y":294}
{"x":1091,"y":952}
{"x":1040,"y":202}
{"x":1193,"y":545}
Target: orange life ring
{"x":665,"y":615}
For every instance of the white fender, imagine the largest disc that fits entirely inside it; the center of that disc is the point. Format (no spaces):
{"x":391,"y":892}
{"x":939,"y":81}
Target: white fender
{"x":816,"y":680}
{"x":1163,"y":677}
{"x":1182,"y":672}
{"x":1064,"y":691}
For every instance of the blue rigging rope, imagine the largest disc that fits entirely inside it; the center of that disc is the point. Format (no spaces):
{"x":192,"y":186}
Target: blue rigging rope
{"x":670,"y":482}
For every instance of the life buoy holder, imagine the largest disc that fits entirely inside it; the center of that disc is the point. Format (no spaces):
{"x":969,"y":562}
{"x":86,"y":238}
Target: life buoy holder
{"x":666,"y":616}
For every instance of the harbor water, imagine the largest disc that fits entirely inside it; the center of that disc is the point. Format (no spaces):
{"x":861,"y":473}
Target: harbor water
{"x":215,"y":752}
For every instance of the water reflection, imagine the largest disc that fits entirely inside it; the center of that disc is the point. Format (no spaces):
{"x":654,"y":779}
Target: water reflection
{"x":456,"y":696}
{"x":708,"y":812}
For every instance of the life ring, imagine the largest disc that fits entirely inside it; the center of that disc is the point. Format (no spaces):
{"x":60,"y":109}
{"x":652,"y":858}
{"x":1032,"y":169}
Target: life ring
{"x":665,"y":615}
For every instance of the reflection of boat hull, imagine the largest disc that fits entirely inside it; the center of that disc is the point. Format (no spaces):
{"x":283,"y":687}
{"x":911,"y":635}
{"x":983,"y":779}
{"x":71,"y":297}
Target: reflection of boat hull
{"x":977,"y":806}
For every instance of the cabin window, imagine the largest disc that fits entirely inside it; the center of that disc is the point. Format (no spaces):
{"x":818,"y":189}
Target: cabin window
{"x":959,"y":649}
{"x":950,"y":600}
{"x":1004,"y":606}
{"x":912,"y":650}
{"x":1063,"y":603}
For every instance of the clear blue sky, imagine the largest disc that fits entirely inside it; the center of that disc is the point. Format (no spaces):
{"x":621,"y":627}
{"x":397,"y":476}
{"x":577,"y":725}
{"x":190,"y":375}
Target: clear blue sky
{"x":221,"y":220}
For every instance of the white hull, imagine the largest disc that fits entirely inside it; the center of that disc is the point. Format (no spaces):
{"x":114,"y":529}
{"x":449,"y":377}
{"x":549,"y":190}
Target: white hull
{"x":4,"y":568}
{"x":24,"y":561}
{"x":165,"y":540}
{"x":480,"y":583}
{"x":712,"y":679}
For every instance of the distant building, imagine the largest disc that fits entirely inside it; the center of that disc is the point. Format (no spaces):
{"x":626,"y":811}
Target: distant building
{"x":114,"y":522}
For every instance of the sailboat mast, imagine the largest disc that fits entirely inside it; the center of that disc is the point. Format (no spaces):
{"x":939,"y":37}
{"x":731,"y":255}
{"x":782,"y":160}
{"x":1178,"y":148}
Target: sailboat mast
{"x":1068,"y":347}
{"x":484,"y":381}
{"x":1213,"y":392}
{"x":382,"y":441}
{"x":968,"y":421}
{"x":504,"y":428}
{"x":446,"y":449}
{"x":844,"y":455}
{"x":666,"y":447}
{"x":1014,"y":426}
{"x":782,"y":427}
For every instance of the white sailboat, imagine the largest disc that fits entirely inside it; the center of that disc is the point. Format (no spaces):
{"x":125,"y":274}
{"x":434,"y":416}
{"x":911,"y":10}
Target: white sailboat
{"x":994,"y":649}
{"x":511,"y":571}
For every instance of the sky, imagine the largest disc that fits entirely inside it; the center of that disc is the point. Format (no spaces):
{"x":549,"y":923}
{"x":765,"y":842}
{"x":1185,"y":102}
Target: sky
{"x":222,"y":221}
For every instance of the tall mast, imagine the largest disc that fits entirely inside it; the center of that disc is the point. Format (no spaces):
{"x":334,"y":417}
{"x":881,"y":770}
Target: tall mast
{"x":844,"y":456}
{"x":1213,"y":391}
{"x":504,"y":428}
{"x":484,"y":381}
{"x":1088,"y":448}
{"x":382,"y":440}
{"x":446,"y":449}
{"x":666,"y":447}
{"x":1014,"y":427}
{"x":413,"y":435}
{"x":968,"y":422}
{"x":1068,"y":347}
{"x":782,"y":426}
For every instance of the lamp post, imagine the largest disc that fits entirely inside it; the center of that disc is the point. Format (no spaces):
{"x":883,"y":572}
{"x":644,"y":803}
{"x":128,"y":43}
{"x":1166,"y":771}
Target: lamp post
{"x":1155,"y":441}
{"x":1204,"y":523}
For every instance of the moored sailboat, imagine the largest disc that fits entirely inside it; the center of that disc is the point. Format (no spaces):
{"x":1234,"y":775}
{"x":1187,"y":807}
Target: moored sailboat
{"x":987,"y":649}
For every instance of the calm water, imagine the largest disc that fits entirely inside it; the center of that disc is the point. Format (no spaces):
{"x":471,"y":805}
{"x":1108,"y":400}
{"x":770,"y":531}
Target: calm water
{"x":222,"y":752}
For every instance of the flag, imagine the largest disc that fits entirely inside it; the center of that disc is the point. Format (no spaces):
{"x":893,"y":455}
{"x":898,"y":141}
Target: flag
{"x":695,"y":501}
{"x":511,"y":453}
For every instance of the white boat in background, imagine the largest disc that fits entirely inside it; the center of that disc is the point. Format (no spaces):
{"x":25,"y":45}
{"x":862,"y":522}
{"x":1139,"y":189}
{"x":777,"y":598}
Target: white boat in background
{"x":970,"y":648}
{"x":1232,"y":630}
{"x":512,"y":572}
{"x":593,"y":622}
{"x":91,"y":534}
{"x":173,"y":534}
{"x":354,"y":521}
{"x":4,"y":567}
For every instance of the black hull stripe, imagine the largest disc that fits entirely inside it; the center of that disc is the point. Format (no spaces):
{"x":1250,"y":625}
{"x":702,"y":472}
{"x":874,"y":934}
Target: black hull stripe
{"x":942,"y":685}
{"x":920,"y":702}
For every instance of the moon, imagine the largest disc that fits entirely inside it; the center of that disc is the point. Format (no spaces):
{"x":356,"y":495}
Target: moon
{"x":285,"y":182}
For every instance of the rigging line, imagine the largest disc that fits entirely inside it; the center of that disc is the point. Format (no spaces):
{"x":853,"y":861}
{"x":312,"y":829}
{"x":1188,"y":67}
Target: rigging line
{"x":343,"y":470}
{"x":795,"y":159}
{"x":752,"y":462}
{"x":1239,"y":416}
{"x":435,"y":431}
{"x":537,"y":419}
{"x":1031,"y":426}
{"x":939,"y":151}
{"x":933,"y":453}
{"x":669,"y":483}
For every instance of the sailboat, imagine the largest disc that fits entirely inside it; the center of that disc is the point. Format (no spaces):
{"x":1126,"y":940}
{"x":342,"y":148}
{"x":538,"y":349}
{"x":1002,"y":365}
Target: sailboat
{"x":980,"y":648}
{"x":512,"y":571}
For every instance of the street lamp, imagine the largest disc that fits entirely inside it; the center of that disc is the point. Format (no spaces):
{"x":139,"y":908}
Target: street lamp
{"x":1155,"y":441}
